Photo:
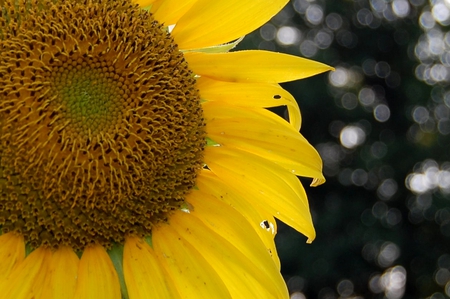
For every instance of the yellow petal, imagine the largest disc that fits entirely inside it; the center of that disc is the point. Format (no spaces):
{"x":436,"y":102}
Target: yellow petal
{"x":211,"y":23}
{"x":262,"y":222}
{"x":219,"y":48}
{"x":253,"y":66}
{"x":12,"y":253}
{"x":62,"y":275}
{"x":26,"y":281}
{"x":190,"y":272}
{"x":168,"y":12}
{"x":97,"y":277}
{"x":143,"y":274}
{"x":262,"y":133}
{"x":264,"y":184}
{"x":261,"y":95}
{"x":220,"y":234}
{"x":216,"y":215}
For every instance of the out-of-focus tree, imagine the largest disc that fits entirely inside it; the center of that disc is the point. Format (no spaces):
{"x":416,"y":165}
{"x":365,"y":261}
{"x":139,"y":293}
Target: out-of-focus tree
{"x":381,"y":123}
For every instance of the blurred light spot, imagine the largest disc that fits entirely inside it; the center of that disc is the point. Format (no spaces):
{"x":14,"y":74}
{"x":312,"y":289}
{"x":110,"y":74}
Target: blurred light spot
{"x":359,"y":177}
{"x":331,"y":154}
{"x":379,"y":209}
{"x":375,"y":284}
{"x":382,"y":113}
{"x":323,"y":39}
{"x":442,"y":276}
{"x":297,"y":295}
{"x":441,"y":111}
{"x":444,"y":181}
{"x":296,"y":283}
{"x":366,"y":96}
{"x":345,"y":288}
{"x":393,"y":217}
{"x":420,"y":115}
{"x":417,"y":183}
{"x":287,"y":35}
{"x":382,"y":69}
{"x":314,"y":14}
{"x":346,"y":38}
{"x":326,"y":293}
{"x":388,"y":14}
{"x":429,"y":177}
{"x":308,"y":48}
{"x":336,"y":127}
{"x":387,"y":189}
{"x":439,"y":72}
{"x":378,"y":149}
{"x":364,"y":17}
{"x":368,"y":67}
{"x":378,"y":5}
{"x":266,"y":45}
{"x":400,"y":8}
{"x":442,"y":216}
{"x":394,"y":281}
{"x":333,"y":21}
{"x":426,"y":20}
{"x":441,"y":12}
{"x":339,"y":77}
{"x":389,"y":252}
{"x":445,"y":228}
{"x":352,"y":136}
{"x":444,"y":126}
{"x":349,"y":101}
{"x":268,"y":32}
{"x":300,"y":6}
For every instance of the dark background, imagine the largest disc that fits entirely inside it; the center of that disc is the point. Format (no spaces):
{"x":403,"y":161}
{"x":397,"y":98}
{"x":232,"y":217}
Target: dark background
{"x":381,"y":123}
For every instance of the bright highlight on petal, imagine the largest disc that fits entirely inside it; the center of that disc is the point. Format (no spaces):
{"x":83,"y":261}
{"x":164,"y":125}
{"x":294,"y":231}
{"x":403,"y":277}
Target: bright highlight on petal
{"x":254,"y":131}
{"x":265,"y":184}
{"x":190,"y":272}
{"x":262,"y":222}
{"x":253,"y":66}
{"x":260,"y":95}
{"x":210,"y":23}
{"x":210,"y":232}
{"x":97,"y":278}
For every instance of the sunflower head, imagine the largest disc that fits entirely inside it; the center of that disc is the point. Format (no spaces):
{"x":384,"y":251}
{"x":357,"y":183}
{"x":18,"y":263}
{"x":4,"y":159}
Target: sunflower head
{"x":101,"y":126}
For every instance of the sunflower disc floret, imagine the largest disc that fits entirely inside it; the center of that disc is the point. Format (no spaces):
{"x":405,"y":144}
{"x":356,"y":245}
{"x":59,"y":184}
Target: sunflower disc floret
{"x":101,"y":126}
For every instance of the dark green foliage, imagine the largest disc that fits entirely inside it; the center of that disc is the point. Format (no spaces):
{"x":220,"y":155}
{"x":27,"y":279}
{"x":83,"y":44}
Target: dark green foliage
{"x":385,"y":209}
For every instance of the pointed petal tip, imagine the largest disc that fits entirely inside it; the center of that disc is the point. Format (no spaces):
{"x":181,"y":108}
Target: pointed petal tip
{"x":317,"y":182}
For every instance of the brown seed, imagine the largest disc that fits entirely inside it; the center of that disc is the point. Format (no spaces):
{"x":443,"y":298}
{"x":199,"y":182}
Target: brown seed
{"x":100,"y":122}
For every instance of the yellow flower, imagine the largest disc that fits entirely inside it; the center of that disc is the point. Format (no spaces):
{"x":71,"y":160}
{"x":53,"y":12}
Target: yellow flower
{"x":137,"y":156}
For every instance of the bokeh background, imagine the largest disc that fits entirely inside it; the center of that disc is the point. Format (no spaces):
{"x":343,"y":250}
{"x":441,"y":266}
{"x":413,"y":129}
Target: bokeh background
{"x":381,"y":123}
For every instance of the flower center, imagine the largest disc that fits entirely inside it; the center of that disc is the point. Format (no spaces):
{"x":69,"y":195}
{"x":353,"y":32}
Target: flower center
{"x":101,"y":126}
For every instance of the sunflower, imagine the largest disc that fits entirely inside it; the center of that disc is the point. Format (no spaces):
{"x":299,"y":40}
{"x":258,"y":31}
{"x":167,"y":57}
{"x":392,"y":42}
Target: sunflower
{"x":137,"y":156}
